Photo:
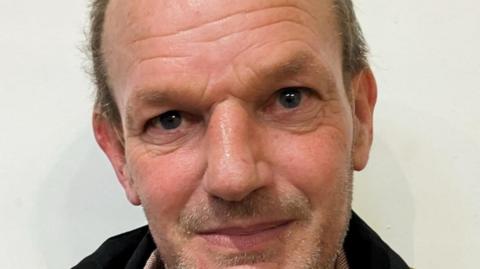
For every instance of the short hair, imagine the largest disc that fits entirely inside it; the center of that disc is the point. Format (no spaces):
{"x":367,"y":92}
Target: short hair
{"x":354,"y":52}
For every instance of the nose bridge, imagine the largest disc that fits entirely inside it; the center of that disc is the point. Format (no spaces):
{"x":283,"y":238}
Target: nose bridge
{"x":232,"y":172}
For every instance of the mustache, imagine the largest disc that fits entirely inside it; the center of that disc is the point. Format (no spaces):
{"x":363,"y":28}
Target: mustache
{"x":259,"y":204}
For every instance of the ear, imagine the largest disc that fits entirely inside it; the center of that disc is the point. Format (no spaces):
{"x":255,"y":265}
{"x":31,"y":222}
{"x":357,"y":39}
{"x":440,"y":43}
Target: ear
{"x":364,"y":97}
{"x":110,"y":140}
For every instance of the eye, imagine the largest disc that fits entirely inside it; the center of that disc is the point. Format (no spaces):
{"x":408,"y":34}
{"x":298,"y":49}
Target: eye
{"x":290,"y":97}
{"x":172,"y":128}
{"x":169,"y":120}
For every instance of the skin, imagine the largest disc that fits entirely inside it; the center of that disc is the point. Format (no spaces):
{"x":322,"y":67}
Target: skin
{"x":243,"y":182}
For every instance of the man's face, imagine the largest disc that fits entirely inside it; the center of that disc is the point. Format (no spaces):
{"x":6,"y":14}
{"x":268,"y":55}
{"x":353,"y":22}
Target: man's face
{"x":237,"y":134}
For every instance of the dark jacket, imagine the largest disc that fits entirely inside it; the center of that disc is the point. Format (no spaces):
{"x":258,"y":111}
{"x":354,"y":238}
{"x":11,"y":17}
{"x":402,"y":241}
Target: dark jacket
{"x":363,"y":247}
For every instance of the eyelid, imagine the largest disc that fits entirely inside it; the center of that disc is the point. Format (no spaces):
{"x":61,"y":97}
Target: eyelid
{"x":310,"y":91}
{"x":303,"y":89}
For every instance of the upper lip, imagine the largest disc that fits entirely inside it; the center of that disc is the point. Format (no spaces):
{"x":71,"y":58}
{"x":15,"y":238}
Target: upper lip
{"x":243,"y":229}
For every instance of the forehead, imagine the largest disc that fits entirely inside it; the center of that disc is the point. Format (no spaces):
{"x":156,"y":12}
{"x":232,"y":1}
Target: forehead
{"x":169,"y":16}
{"x":200,"y":33}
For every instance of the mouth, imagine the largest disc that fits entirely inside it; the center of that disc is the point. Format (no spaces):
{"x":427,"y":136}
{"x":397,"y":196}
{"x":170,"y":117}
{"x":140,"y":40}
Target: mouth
{"x":249,"y":237}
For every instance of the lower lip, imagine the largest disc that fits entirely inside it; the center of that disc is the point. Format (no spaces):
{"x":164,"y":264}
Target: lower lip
{"x":247,"y":242}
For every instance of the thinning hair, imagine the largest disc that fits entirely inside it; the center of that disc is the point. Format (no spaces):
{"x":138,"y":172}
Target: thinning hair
{"x":354,"y":52}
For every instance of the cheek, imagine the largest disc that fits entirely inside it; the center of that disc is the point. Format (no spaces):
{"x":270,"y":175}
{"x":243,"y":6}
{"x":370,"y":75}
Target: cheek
{"x":164,"y":183}
{"x":317,"y":163}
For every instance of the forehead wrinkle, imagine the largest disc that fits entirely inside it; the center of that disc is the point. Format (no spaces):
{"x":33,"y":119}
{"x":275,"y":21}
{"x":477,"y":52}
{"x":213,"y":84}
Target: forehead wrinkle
{"x":218,"y":21}
{"x":150,"y":46}
{"x":183,"y":55}
{"x":136,"y":44}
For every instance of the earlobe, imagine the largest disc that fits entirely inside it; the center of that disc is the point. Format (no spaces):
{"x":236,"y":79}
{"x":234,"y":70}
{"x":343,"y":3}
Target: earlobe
{"x":108,"y":138}
{"x":364,"y":95}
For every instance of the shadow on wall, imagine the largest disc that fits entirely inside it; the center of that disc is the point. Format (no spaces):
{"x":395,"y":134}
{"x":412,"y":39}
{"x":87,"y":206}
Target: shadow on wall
{"x":80,"y":205}
{"x":383,"y":198}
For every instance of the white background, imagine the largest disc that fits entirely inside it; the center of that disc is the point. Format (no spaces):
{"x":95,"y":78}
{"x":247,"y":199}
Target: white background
{"x":59,"y":198}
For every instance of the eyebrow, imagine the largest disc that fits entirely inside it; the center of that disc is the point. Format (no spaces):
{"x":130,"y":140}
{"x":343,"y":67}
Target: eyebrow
{"x":293,"y":66}
{"x":145,"y":97}
{"x":301,"y":62}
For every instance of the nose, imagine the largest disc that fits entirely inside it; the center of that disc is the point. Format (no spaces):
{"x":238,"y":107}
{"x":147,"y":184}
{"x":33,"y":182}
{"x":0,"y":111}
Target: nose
{"x":232,"y":172}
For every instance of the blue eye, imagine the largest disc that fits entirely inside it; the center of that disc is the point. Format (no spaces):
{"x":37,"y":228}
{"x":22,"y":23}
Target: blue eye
{"x":290,"y":97}
{"x":169,"y":120}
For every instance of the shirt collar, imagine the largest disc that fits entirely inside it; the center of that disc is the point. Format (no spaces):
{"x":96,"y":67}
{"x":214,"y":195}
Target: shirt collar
{"x":154,"y":260}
